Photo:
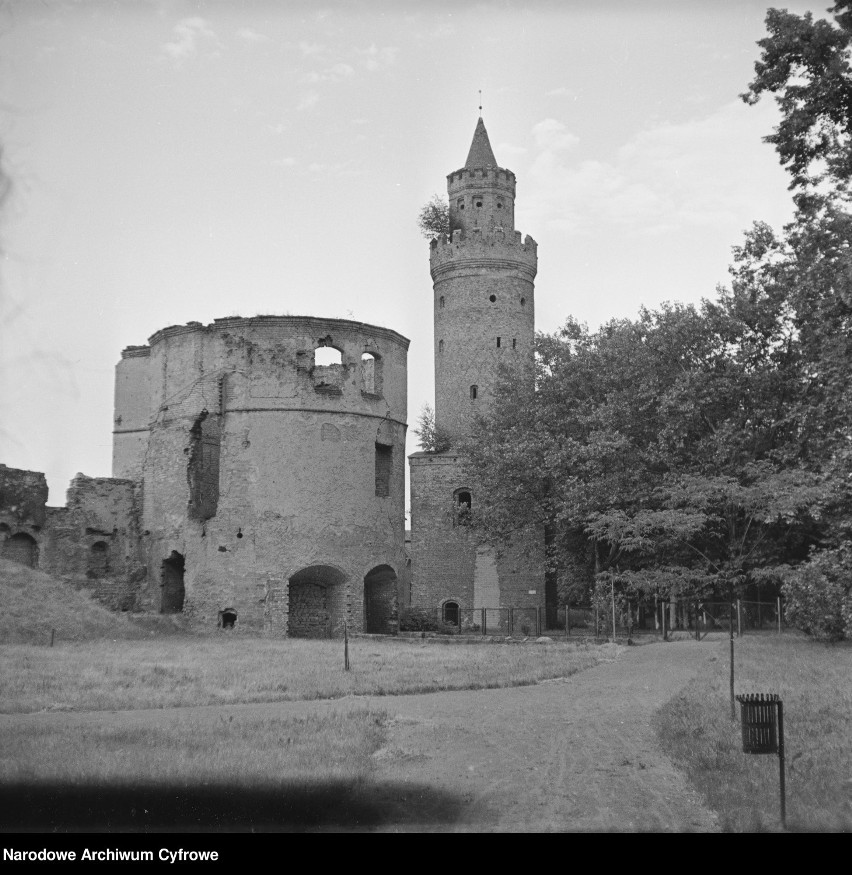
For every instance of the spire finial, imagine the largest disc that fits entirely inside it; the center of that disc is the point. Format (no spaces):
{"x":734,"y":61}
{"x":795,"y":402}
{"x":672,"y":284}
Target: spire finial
{"x":480,"y":103}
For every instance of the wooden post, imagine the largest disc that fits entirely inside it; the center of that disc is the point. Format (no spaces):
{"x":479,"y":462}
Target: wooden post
{"x":739,"y":619}
{"x":567,"y":621}
{"x":345,"y":647}
{"x":612,"y":589}
{"x":663,"y":607}
{"x":781,"y":762}
{"x":778,"y":612}
{"x":484,"y":618}
{"x":731,"y":635}
{"x":596,"y":621}
{"x":511,"y":621}
{"x":538,"y":621}
{"x":52,"y":636}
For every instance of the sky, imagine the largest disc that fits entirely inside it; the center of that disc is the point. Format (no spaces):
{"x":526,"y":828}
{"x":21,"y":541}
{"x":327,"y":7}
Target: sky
{"x":175,"y":161}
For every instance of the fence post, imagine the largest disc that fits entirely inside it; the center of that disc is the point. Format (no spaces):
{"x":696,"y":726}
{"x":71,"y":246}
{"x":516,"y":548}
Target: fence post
{"x":663,"y":606}
{"x":739,"y":620}
{"x":538,"y":621}
{"x":778,"y":612}
{"x":484,"y":627}
{"x":511,"y":622}
{"x":567,"y":621}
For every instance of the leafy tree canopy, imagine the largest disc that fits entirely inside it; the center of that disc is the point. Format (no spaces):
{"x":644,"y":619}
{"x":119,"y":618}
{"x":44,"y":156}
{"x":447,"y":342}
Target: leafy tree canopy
{"x":434,"y":219}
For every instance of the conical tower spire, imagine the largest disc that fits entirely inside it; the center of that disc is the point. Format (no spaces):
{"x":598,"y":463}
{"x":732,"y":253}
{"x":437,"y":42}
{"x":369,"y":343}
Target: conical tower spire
{"x":481,"y":154}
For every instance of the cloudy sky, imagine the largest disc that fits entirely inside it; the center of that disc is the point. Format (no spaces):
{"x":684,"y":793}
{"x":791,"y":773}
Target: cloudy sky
{"x":175,"y":161}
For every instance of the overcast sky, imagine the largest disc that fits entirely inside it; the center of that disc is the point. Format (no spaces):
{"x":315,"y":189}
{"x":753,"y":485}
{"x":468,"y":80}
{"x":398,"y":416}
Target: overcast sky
{"x":177,"y":161}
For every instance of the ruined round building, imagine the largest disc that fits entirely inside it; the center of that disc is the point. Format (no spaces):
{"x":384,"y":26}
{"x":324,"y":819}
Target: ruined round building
{"x":258,"y":464}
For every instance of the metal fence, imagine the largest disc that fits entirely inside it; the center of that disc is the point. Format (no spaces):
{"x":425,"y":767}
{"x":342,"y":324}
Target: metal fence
{"x":648,"y":618}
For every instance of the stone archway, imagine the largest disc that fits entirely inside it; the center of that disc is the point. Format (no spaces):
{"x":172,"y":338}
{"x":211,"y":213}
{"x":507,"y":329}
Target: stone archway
{"x":22,"y":548}
{"x":316,"y":606}
{"x":380,"y":601}
{"x":173,"y":594}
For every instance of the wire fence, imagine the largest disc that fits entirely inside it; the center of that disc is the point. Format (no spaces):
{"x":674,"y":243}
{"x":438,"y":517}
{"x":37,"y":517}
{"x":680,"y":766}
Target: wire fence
{"x":649,"y":618}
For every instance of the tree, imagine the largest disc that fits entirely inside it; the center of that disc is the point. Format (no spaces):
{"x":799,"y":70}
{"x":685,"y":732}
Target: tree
{"x":806,"y":64}
{"x":432,"y":438}
{"x":434,"y":219}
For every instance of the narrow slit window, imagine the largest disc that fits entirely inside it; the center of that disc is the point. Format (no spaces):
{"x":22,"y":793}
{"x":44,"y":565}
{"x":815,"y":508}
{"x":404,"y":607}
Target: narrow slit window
{"x":514,"y":343}
{"x":440,"y":347}
{"x":384,"y":461}
{"x":441,"y":303}
{"x":474,"y":391}
{"x":498,"y":343}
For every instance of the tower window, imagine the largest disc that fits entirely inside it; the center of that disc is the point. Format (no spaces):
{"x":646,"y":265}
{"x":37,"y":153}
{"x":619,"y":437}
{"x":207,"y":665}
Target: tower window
{"x":514,"y":343}
{"x":523,"y":301}
{"x":499,"y":205}
{"x":440,"y":347}
{"x":474,"y":390}
{"x":461,"y":203}
{"x":441,"y":303}
{"x":479,"y":202}
{"x":492,"y":298}
{"x":498,"y":343}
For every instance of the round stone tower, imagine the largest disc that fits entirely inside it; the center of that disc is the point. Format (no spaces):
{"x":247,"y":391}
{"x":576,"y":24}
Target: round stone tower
{"x":483,"y":289}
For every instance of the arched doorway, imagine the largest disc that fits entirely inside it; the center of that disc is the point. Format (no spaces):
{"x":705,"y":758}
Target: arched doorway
{"x":380,"y":601}
{"x":173,"y":595}
{"x":450,"y":613}
{"x":22,"y":548}
{"x":316,"y":604}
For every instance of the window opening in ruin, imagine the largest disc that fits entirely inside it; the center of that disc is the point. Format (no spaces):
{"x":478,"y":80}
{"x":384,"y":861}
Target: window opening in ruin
{"x":371,"y":374}
{"x":384,"y":463}
{"x":327,"y":355}
{"x":440,"y":347}
{"x":202,"y":471}
{"x":461,"y":203}
{"x":227,"y":618}
{"x":441,"y":303}
{"x":21,"y":548}
{"x":171,"y":601}
{"x":380,"y":601}
{"x":492,"y":298}
{"x":523,"y":301}
{"x":474,"y":391}
{"x":479,"y":201}
{"x":239,"y":533}
{"x":98,"y":560}
{"x":462,"y":503}
{"x":514,"y":343}
{"x":328,"y":371}
{"x":499,"y":205}
{"x":450,"y":613}
{"x":498,"y":343}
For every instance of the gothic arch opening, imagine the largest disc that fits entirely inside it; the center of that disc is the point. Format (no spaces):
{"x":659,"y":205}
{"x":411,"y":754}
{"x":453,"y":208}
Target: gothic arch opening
{"x":450,"y":612}
{"x":173,"y":592}
{"x":380,"y":601}
{"x":98,"y":560}
{"x":462,"y":504}
{"x":316,"y":602}
{"x":22,"y":548}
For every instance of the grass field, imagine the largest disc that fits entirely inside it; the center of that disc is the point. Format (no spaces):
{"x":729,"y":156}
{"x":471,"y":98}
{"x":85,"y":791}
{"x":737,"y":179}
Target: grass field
{"x":814,"y":681}
{"x":224,"y":669}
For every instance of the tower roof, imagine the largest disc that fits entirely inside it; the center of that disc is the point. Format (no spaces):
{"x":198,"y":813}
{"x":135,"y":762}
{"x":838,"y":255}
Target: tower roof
{"x":481,"y":154}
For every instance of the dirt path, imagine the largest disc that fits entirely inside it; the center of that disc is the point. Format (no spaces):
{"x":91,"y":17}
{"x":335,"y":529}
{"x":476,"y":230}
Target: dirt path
{"x":574,"y":754}
{"x":577,"y":754}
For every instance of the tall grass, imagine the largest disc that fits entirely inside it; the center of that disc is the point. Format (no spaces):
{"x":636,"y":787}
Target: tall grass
{"x":226,"y":669}
{"x":814,"y":682}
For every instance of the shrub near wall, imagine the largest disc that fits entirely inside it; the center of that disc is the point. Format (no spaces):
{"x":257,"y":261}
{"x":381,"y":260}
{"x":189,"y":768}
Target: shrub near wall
{"x":421,"y":620}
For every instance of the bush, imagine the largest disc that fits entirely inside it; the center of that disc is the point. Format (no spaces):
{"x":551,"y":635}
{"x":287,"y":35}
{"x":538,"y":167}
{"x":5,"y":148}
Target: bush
{"x":818,"y":594}
{"x":421,"y":620}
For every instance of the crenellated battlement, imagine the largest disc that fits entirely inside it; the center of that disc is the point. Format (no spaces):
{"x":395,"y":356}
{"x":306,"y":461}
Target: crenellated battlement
{"x":491,"y":247}
{"x":481,"y":176}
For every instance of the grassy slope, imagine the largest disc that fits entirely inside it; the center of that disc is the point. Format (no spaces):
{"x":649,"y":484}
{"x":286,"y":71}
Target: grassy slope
{"x":814,"y":682}
{"x":34,"y":603}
